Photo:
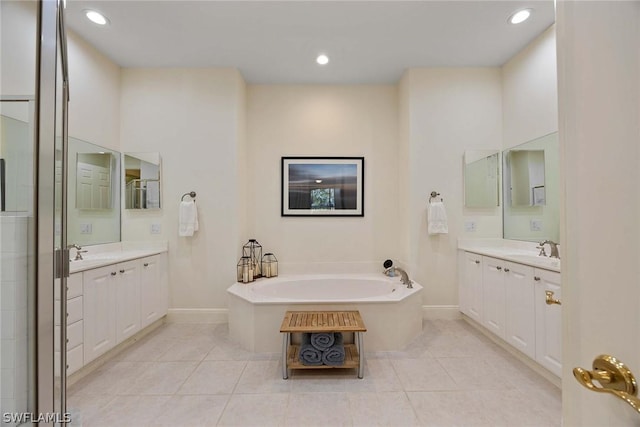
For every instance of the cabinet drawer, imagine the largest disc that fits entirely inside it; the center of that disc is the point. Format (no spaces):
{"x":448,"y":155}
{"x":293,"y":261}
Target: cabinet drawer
{"x":74,"y":359}
{"x":74,"y":310}
{"x":75,"y":333}
{"x":74,"y":285}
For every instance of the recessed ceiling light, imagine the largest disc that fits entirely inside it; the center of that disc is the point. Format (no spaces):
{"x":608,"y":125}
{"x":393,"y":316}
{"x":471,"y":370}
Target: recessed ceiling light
{"x":96,"y":17}
{"x":520,"y":16}
{"x":318,"y":181}
{"x":322,"y":59}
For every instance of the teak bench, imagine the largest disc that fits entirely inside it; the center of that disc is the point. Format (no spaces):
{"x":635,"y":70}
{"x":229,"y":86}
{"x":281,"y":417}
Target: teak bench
{"x":322,"y":321}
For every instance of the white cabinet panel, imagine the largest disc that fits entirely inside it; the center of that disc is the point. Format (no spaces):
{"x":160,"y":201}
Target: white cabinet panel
{"x":100,"y":319}
{"x":493,"y":295}
{"x":75,"y":334}
{"x":520,"y":308}
{"x":75,"y":359}
{"x":74,"y":285}
{"x":151,"y":294}
{"x":471,"y":286}
{"x":548,"y":321}
{"x":128,"y":300}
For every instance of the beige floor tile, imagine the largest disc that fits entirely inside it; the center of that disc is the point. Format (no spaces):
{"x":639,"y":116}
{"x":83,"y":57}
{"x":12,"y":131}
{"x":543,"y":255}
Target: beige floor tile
{"x":318,"y":409}
{"x":262,"y":376}
{"x":423,"y":375}
{"x":450,"y":408}
{"x":319,"y":380}
{"x":213,"y":377}
{"x":131,"y":411}
{"x":381,"y":409}
{"x":225,"y":350}
{"x":379,"y":376}
{"x":84,"y":407}
{"x":474,"y":374}
{"x":255,"y":410}
{"x":188,"y":349}
{"x":111,"y":379}
{"x":149,"y":349}
{"x":162,"y":378}
{"x":515,"y":407}
{"x":192,"y":411}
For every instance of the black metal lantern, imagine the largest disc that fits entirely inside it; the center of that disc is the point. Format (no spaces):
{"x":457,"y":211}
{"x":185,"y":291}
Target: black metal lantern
{"x":253,"y":250}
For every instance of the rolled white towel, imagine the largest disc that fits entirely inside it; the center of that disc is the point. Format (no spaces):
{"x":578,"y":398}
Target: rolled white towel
{"x":188,"y":218}
{"x":437,"y":218}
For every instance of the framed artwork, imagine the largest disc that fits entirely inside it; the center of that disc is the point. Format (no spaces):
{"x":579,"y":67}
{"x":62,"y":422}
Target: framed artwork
{"x":322,"y":186}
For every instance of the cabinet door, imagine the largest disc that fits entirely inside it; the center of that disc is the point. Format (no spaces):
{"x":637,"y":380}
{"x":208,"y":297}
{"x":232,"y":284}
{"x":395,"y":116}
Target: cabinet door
{"x":151,"y":295}
{"x":493,"y":295}
{"x":471,"y":286}
{"x":128,"y":300}
{"x":520,"y":322}
{"x":548,"y":321}
{"x":99,"y":311}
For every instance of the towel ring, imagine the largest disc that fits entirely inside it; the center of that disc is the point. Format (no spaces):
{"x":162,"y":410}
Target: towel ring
{"x":433,"y":195}
{"x":191,"y":194}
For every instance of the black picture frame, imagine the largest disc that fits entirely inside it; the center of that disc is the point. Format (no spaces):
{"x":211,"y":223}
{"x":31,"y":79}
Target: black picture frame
{"x":322,"y":186}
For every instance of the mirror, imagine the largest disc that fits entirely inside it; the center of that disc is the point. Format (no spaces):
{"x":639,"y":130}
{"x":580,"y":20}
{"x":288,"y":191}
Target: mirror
{"x":142,"y":180}
{"x":16,"y":156}
{"x":531,"y":190}
{"x":94,"y":194}
{"x":481,"y":178}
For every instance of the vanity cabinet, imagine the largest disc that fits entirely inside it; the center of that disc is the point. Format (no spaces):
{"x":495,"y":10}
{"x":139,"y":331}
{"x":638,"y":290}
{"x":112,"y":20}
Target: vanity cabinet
{"x":120,"y":300}
{"x":471,"y":285}
{"x":154,"y":292}
{"x":75,"y":324}
{"x":100,"y":305}
{"x":513,"y":305}
{"x":548,"y":321}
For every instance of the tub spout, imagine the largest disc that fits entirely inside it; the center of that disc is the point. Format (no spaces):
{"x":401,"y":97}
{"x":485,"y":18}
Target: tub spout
{"x":404,"y":277}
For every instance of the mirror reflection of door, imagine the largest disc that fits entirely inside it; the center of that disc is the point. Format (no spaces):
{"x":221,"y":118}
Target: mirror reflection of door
{"x":142,"y":180}
{"x":93,"y":184}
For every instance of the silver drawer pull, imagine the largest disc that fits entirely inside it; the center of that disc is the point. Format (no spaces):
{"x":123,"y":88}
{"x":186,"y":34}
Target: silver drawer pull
{"x":113,"y":273}
{"x":146,"y":264}
{"x":498,"y":268}
{"x":506,"y":270}
{"x":121,"y":271}
{"x":536,"y":278}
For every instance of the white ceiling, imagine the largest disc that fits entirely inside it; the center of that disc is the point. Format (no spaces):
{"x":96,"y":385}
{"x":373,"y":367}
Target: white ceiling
{"x":276,"y":42}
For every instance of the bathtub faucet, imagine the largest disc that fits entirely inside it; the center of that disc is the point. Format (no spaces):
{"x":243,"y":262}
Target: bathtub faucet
{"x":404,"y":277}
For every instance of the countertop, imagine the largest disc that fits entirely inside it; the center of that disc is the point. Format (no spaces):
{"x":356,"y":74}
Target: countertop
{"x":102,"y":255}
{"x":520,"y":252}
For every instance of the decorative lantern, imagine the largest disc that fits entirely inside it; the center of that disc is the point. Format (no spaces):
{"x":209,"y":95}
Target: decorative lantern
{"x":245,"y":270}
{"x":269,"y":265}
{"x":253,"y":250}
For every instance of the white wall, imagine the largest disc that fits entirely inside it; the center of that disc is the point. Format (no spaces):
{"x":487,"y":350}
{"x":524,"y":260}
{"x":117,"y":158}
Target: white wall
{"x":530,"y":92}
{"x":193,"y":118}
{"x":94,"y":93}
{"x":530,"y":111}
{"x":18,"y":48}
{"x":339,"y":121}
{"x":450,"y":111}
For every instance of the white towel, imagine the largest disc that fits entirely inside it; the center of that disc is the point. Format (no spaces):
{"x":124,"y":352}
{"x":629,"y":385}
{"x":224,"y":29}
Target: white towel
{"x":188,"y":218}
{"x":437,"y":218}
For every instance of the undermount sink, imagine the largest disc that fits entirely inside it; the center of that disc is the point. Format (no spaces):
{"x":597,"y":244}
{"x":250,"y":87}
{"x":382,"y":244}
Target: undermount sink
{"x":536,"y":260}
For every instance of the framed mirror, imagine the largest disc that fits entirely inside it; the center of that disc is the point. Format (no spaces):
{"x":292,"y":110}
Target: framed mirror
{"x":481,"y":178}
{"x":142,"y":172}
{"x":94,"y":194}
{"x":531,"y":190}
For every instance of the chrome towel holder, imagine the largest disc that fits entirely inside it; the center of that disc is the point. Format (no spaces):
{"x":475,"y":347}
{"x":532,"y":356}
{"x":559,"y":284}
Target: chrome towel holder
{"x":434,"y":195}
{"x":191,"y":194}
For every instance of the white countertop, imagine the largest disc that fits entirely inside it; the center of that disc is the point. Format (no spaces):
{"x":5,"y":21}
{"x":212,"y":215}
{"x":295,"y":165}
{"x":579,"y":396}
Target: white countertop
{"x":113,"y":253}
{"x":510,"y":250}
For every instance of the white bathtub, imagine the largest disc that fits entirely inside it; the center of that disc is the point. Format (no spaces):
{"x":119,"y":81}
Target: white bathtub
{"x":391,"y":311}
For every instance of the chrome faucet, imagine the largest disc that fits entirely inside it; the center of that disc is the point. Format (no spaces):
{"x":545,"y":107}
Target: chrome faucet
{"x":79,"y":251}
{"x":554,"y":248}
{"x":404,"y":277}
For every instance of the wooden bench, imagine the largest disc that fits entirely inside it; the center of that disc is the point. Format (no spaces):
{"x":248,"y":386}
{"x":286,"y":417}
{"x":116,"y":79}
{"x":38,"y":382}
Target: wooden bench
{"x":322,"y":321}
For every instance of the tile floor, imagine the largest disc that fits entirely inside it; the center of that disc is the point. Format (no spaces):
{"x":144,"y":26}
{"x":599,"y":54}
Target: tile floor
{"x":193,"y":375}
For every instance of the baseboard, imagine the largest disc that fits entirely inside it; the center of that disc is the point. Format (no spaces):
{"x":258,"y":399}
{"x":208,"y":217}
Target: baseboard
{"x":445,"y":312}
{"x":198,"y":315}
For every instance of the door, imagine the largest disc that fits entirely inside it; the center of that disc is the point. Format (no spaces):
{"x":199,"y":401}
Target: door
{"x":151,"y":292}
{"x":471,"y":294}
{"x":599,"y":96}
{"x":493,"y":291}
{"x":99,"y":311}
{"x":520,"y":310}
{"x":548,"y":320}
{"x":127,"y":300}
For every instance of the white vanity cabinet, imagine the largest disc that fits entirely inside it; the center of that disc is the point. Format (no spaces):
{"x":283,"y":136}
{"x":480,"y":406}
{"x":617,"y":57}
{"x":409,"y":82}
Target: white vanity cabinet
{"x":154,"y":290}
{"x":513,"y":305}
{"x":75,"y":324}
{"x":127,"y":299}
{"x":548,"y":321}
{"x":471,"y":285}
{"x":100,"y":306}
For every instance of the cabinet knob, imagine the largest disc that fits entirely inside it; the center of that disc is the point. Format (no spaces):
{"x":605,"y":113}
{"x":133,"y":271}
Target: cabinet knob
{"x":121,"y":271}
{"x":113,"y":273}
{"x":146,"y":264}
{"x":498,"y":268}
{"x":549,"y":299}
{"x":536,"y":278}
{"x":477,"y":261}
{"x":506,"y":270}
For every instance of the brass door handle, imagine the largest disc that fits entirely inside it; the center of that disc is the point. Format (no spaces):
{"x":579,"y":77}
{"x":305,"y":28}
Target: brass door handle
{"x":614,"y":378}
{"x":550,"y":299}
